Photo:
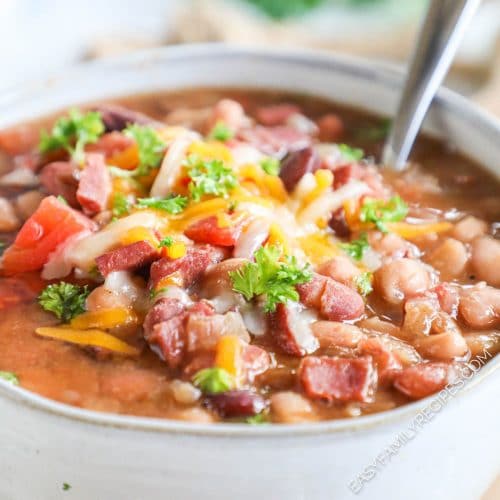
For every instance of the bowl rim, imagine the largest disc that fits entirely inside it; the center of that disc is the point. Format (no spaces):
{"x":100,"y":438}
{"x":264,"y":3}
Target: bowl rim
{"x":390,"y":76}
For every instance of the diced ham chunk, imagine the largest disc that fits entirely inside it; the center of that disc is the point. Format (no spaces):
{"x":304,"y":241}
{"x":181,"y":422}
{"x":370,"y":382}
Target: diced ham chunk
{"x":347,"y":173}
{"x":340,"y":379}
{"x":276,"y":114}
{"x":208,"y":231}
{"x":334,"y":300}
{"x":255,"y":361}
{"x":59,"y":178}
{"x":127,"y":258}
{"x":424,"y":379}
{"x":188,"y":268}
{"x":275,"y":140}
{"x":386,"y":361}
{"x":296,"y":165}
{"x":110,"y":144}
{"x":95,"y":186}
{"x":291,"y":330}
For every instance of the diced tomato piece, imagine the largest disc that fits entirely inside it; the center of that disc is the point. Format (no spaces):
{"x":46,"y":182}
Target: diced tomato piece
{"x":52,"y":223}
{"x":208,"y":231}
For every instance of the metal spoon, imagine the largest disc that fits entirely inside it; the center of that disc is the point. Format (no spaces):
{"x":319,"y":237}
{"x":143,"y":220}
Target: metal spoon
{"x":442,"y":31}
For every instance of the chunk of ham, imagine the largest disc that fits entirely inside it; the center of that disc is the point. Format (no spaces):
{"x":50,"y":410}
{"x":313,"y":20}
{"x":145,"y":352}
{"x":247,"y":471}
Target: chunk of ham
{"x":95,"y":186}
{"x":110,"y":144}
{"x":338,"y":379}
{"x":291,"y":330}
{"x":276,"y":114}
{"x":277,"y":141}
{"x":208,"y":231}
{"x":188,"y":268}
{"x":423,"y":379}
{"x":335,"y":301}
{"x":127,"y":258}
{"x":386,"y":361}
{"x":255,"y":361}
{"x":331,"y":128}
{"x":60,"y":179}
{"x":296,"y":165}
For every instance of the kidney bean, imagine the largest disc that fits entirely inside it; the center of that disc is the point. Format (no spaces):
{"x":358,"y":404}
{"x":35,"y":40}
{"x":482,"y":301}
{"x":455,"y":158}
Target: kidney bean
{"x":239,"y":403}
{"x":297,"y":164}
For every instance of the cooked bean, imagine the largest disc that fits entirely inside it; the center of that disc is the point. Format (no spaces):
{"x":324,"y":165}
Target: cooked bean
{"x":341,"y":269}
{"x":469,"y":228}
{"x":27,"y":203}
{"x":333,"y":333}
{"x":184,"y":392}
{"x":241,"y":403}
{"x":229,"y":112}
{"x":9,"y":221}
{"x":483,"y":343}
{"x":296,"y":165}
{"x":485,"y":259}
{"x":402,"y":278}
{"x":444,"y":346}
{"x":449,"y":258}
{"x":480,"y":306}
{"x":291,"y":408}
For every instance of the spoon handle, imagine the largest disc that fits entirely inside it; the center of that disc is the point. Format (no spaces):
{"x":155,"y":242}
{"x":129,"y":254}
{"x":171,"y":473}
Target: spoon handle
{"x":443,"y":28}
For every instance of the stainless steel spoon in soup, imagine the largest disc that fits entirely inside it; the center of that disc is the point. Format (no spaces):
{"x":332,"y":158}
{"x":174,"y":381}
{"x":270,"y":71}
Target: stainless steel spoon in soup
{"x":443,"y":28}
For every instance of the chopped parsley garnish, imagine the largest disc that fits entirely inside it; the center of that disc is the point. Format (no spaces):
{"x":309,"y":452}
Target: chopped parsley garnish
{"x":168,"y":241}
{"x":221,"y":132}
{"x":260,"y":418}
{"x":151,"y":148}
{"x":349,"y":153}
{"x":9,"y":377}
{"x":65,"y":300}
{"x":213,"y":380}
{"x":174,"y":204}
{"x":271,"y":166}
{"x":72,"y":133}
{"x":279,"y":9}
{"x":121,"y":205}
{"x":272,"y":276}
{"x":62,"y":199}
{"x":363,"y":283}
{"x":356,"y":248}
{"x":209,"y":177}
{"x":66,"y":486}
{"x":379,"y":212}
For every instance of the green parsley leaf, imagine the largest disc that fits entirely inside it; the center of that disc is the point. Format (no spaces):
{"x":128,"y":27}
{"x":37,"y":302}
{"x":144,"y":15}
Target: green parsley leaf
{"x":151,"y":148}
{"x":209,"y":177}
{"x":279,"y":9}
{"x":121,"y":205}
{"x":9,"y":377}
{"x":168,"y":241}
{"x":260,"y":418}
{"x":62,"y":199}
{"x":3,"y":246}
{"x":379,"y":212}
{"x":271,"y":277}
{"x":72,"y":133}
{"x":356,"y":248}
{"x":65,"y":300}
{"x":66,"y":486}
{"x":363,"y":283}
{"x":174,"y":204}
{"x":213,"y":380}
{"x":349,"y":153}
{"x":221,"y":132}
{"x":271,"y":166}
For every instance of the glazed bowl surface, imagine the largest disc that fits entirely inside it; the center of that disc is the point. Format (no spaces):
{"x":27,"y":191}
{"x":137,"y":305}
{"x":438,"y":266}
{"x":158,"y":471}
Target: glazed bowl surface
{"x":441,"y":447}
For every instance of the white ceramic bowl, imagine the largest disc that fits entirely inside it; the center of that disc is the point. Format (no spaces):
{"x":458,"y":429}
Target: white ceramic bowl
{"x":429,"y":449}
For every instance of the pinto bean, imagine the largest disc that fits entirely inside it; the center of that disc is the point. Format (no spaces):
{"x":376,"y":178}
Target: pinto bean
{"x":341,"y":269}
{"x":296,"y":165}
{"x":420,"y":312}
{"x":230,"y":112}
{"x":483,"y":343}
{"x":392,"y":245}
{"x":333,"y":333}
{"x":449,"y":258}
{"x":402,"y":278}
{"x":445,"y":346}
{"x":469,"y":228}
{"x":216,"y":280}
{"x":288,"y":407}
{"x":242,"y":403}
{"x":194,"y":414}
{"x":479,"y":306}
{"x":485,"y":259}
{"x":375,"y":324}
{"x":184,"y":392}
{"x":27,"y":203}
{"x":9,"y":221}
